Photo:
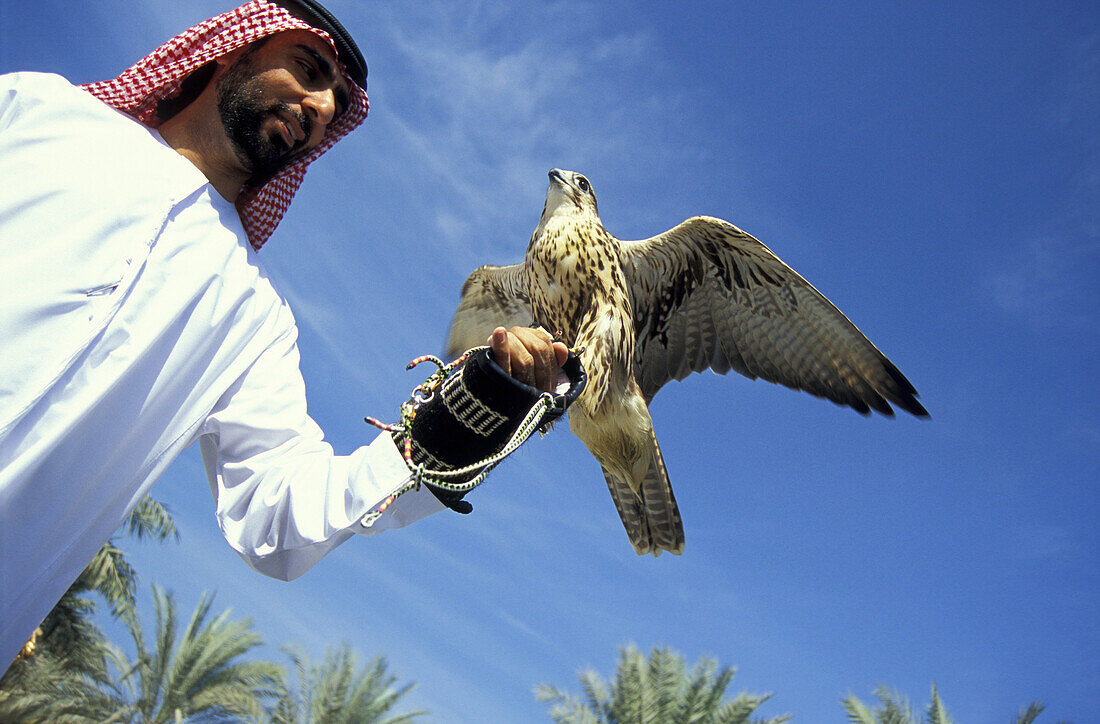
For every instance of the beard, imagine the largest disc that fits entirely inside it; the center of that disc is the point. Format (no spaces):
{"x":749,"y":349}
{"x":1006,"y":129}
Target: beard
{"x":243,"y":111}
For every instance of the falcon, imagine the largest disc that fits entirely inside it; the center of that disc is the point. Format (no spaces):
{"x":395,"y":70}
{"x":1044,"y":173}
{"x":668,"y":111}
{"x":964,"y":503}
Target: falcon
{"x":702,"y":295}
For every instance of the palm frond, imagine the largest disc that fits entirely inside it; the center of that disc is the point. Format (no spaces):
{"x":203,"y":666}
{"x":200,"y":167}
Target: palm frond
{"x":1028,"y":714}
{"x":858,"y":712}
{"x":151,"y":519}
{"x":654,"y":690}
{"x":937,"y":713}
{"x":339,"y":691}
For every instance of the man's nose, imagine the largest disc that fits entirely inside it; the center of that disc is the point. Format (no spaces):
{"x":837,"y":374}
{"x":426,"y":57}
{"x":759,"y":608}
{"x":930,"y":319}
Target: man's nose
{"x":321,"y":106}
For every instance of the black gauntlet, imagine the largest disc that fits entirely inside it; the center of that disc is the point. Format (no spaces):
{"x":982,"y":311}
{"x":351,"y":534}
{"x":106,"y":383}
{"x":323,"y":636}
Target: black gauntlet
{"x":473,"y":414}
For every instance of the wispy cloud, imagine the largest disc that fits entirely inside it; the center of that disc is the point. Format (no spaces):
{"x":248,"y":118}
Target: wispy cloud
{"x":525,"y":629}
{"x":1047,"y":282}
{"x":1046,"y":543}
{"x":490,"y":103}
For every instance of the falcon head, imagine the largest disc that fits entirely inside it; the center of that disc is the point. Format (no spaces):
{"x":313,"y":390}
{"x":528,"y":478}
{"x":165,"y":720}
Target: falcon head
{"x":569,"y":193}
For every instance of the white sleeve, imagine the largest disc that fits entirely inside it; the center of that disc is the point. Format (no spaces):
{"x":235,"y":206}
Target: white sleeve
{"x":9,"y":89}
{"x":284,"y":499}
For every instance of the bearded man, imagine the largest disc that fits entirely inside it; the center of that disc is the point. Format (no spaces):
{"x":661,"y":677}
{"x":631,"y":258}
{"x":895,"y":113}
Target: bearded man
{"x":137,"y":320}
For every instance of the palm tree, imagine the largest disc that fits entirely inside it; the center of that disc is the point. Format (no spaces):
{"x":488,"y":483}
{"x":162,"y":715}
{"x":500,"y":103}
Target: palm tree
{"x":338,"y":691}
{"x":67,"y":627}
{"x":47,"y":691}
{"x":68,"y":650}
{"x":895,"y":709}
{"x":194,"y":677}
{"x":659,"y":691}
{"x":109,"y":573}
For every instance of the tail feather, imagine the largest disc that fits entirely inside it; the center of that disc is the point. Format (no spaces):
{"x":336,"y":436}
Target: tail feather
{"x":650,"y":516}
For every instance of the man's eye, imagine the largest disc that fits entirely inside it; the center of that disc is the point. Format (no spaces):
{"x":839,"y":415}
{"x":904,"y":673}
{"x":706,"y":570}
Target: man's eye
{"x":310,"y":71}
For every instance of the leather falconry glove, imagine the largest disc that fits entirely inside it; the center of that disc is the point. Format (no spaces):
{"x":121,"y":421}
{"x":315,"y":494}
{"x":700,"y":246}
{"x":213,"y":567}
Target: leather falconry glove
{"x":474,"y":413}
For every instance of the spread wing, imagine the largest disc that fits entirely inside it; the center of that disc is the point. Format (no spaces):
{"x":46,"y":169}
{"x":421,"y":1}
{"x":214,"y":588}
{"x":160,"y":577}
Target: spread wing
{"x":493,"y":296}
{"x":708,"y":295}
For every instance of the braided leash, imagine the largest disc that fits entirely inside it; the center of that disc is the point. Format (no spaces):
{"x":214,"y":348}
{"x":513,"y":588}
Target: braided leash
{"x":421,"y":394}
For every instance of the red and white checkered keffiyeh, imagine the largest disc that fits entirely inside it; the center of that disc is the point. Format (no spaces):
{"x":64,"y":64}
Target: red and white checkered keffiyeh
{"x":159,"y":74}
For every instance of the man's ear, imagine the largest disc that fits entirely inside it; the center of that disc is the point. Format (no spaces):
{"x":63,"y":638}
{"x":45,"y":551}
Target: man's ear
{"x":227,"y":60}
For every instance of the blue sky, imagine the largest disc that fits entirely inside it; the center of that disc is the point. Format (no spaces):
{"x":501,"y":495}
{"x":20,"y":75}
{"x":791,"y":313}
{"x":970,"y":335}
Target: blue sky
{"x":933,"y":168}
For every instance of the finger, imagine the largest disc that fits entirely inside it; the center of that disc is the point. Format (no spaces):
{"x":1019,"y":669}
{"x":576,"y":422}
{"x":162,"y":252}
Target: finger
{"x":521,"y":345}
{"x":498,"y":343}
{"x":538,"y":343}
{"x":524,"y":366}
{"x":546,"y":372}
{"x":561,"y":353}
{"x":530,"y":335}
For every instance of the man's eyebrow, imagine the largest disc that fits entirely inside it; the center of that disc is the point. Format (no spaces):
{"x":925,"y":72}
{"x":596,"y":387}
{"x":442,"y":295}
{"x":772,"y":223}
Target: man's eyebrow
{"x":329,"y":74}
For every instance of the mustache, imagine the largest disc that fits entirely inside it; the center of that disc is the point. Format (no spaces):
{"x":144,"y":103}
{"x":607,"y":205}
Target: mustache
{"x":282,"y":109}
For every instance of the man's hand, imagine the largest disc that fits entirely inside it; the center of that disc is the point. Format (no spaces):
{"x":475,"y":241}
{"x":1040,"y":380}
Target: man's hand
{"x":529,"y":355}
{"x":476,"y":412}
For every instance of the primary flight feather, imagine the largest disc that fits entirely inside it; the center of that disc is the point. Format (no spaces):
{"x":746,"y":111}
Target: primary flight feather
{"x":704,"y":294}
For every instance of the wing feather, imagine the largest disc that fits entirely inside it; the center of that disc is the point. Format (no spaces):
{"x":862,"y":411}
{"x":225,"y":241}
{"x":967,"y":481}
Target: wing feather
{"x":492,"y":296}
{"x":707,"y":295}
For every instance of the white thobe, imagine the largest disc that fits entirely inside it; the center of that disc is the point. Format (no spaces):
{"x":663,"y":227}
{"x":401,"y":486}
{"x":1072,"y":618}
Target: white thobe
{"x":135,"y":319}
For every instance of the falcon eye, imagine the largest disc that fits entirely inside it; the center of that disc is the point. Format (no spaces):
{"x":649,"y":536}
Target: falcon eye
{"x":582,"y":184}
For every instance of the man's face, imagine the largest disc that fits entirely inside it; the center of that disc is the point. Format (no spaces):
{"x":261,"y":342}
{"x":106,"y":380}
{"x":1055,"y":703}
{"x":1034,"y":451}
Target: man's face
{"x":278,"y":99}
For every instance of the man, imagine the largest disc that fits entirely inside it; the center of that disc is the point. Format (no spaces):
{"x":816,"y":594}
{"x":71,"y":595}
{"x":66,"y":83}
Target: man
{"x":136,"y":318}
